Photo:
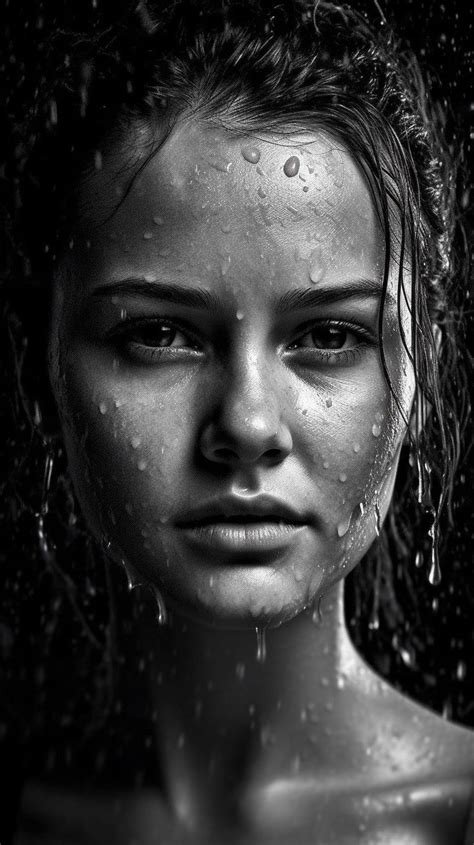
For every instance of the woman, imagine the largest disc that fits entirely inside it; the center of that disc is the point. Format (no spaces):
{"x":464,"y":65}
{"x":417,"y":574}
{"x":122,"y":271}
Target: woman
{"x":245,"y":219}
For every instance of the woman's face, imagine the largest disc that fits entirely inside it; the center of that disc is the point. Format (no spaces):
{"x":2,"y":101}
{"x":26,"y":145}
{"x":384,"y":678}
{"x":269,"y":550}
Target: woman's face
{"x":215,"y":359}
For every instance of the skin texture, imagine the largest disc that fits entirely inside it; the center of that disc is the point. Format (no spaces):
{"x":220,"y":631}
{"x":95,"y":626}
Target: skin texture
{"x":244,"y":400}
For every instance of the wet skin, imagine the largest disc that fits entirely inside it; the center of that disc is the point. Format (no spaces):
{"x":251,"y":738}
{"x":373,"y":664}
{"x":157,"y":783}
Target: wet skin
{"x":249,"y":388}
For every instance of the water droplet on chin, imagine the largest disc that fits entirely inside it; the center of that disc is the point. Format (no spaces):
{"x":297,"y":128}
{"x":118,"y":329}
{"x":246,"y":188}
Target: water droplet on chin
{"x":291,"y":166}
{"x":261,"y":645}
{"x":251,"y":154}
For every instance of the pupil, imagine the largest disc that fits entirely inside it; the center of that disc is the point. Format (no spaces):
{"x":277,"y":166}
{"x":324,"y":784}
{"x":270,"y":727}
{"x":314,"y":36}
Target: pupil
{"x":329,"y":338}
{"x":158,"y":335}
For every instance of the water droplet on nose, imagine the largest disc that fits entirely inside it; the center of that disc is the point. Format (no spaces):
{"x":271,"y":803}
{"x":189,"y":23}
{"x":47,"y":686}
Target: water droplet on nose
{"x":251,"y":154}
{"x":261,"y":645}
{"x":291,"y":166}
{"x":103,"y":408}
{"x":329,"y":403}
{"x":376,"y":429}
{"x":135,"y":442}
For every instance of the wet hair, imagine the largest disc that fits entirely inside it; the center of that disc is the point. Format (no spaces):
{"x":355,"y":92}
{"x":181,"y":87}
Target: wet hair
{"x":251,"y":66}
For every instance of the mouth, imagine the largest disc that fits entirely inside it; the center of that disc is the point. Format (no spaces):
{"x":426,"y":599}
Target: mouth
{"x":252,"y":529}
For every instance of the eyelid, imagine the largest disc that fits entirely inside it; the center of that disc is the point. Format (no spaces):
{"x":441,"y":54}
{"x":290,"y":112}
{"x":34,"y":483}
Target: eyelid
{"x":361,"y":331}
{"x":130,"y":323}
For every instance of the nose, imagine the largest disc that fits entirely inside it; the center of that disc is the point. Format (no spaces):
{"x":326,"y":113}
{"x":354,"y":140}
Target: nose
{"x":248,"y":426}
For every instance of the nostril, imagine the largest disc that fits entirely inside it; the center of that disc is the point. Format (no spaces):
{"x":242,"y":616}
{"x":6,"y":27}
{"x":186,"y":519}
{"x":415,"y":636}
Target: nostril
{"x":273,"y":454}
{"x":224,"y":454}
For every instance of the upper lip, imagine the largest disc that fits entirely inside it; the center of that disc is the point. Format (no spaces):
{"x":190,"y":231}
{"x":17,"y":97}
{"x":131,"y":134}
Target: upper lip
{"x":228,"y":507}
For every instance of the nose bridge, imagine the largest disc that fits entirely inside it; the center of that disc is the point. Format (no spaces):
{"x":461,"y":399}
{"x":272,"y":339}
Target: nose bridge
{"x":248,"y":420}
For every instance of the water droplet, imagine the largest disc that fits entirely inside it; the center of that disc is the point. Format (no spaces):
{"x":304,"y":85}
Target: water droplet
{"x":220,"y":164}
{"x":261,"y":645}
{"x":291,"y":166}
{"x":317,"y":266}
{"x":142,"y":465}
{"x":361,"y":508}
{"x":135,"y":442}
{"x":226,"y":228}
{"x":240,"y":671}
{"x":147,"y":236}
{"x":377,"y":520}
{"x":356,"y":447}
{"x":98,"y":160}
{"x":103,"y":408}
{"x":326,"y":464}
{"x":262,"y":193}
{"x":260,"y":170}
{"x":239,"y":315}
{"x":329,"y":403}
{"x":251,"y":154}
{"x":343,"y":528}
{"x":419,"y":560}
{"x":376,"y":430}
{"x":434,"y":576}
{"x":158,"y":221}
{"x":161,"y":614}
{"x":317,"y":616}
{"x":225,"y":265}
{"x":461,"y":670}
{"x":342,"y":477}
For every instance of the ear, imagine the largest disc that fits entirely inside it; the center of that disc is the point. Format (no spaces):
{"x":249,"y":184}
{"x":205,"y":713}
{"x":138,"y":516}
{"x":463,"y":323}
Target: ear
{"x":415,"y":425}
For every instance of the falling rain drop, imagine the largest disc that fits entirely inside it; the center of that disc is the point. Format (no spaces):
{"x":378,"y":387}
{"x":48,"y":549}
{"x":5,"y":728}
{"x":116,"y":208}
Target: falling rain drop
{"x":291,"y":166}
{"x":251,"y":154}
{"x":261,"y":645}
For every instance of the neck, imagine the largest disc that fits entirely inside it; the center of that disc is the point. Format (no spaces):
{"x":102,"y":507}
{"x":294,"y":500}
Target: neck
{"x":220,"y":711}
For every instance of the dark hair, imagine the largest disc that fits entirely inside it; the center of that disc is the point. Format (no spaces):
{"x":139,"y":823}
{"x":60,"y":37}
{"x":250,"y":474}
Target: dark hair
{"x":250,"y":66}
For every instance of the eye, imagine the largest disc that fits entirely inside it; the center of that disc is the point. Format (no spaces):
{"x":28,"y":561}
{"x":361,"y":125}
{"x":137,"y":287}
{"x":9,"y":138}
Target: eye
{"x":149,"y":340}
{"x":332,"y":343}
{"x":159,"y":336}
{"x":328,"y":337}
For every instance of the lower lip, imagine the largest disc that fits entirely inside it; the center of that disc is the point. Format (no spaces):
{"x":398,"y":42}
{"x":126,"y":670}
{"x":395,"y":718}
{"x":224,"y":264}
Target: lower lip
{"x":244,"y":538}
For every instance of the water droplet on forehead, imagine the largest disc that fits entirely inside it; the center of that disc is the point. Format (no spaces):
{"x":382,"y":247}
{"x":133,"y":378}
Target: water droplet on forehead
{"x":291,"y":166}
{"x":251,"y":154}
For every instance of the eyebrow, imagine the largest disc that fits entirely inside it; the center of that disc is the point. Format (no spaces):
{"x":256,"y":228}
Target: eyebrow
{"x":200,"y":298}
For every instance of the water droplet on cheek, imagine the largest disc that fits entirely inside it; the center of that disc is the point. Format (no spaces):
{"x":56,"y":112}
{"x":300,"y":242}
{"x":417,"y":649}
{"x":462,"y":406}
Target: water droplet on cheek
{"x":376,"y":430}
{"x":291,"y":166}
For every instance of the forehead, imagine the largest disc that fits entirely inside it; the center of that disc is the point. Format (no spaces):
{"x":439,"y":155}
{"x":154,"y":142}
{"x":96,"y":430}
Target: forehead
{"x":202,"y":175}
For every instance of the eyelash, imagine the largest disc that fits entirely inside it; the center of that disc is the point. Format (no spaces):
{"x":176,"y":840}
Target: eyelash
{"x":122,"y":338}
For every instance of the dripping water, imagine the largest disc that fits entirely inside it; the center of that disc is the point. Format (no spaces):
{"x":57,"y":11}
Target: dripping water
{"x":261,"y":645}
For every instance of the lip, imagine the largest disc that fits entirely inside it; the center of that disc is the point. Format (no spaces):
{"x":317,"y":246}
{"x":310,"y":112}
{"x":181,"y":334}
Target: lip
{"x":244,"y":526}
